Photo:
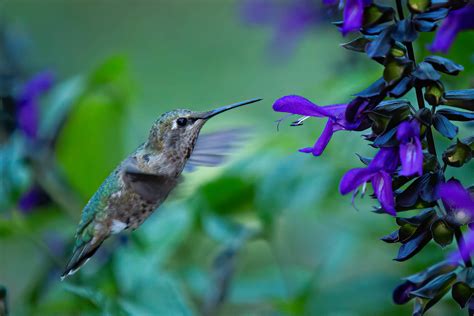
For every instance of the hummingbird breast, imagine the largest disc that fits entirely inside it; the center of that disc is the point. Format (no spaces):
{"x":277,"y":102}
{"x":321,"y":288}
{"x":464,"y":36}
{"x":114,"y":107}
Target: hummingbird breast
{"x":127,"y":207}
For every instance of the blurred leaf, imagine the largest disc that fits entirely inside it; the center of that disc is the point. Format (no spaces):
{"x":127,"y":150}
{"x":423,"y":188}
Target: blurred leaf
{"x":224,"y":195}
{"x":59,"y":105}
{"x":91,"y":143}
{"x":85,"y":292}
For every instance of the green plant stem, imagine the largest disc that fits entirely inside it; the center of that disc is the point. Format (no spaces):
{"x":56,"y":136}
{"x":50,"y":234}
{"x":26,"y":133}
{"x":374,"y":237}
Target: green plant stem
{"x":418,"y":91}
{"x":429,"y":136}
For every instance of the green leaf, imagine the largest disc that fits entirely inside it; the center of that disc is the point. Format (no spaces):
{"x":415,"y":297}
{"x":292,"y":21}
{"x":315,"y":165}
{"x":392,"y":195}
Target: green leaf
{"x":60,"y":102}
{"x":88,"y":293}
{"x":223,"y":195}
{"x":91,"y":142}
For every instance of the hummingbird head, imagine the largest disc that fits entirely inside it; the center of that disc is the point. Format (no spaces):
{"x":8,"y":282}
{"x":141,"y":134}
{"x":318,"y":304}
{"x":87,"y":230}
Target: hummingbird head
{"x":179,"y":129}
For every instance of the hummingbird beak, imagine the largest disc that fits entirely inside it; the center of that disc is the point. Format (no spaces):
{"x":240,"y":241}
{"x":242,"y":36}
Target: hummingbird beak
{"x":209,"y":114}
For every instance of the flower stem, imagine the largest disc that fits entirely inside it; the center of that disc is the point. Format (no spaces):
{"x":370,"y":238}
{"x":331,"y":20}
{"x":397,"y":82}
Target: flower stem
{"x":462,"y":245}
{"x":419,"y":92}
{"x":429,"y":137}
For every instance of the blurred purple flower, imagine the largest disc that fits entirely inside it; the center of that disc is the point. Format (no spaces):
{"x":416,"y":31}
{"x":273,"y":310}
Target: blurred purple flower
{"x":353,"y":15}
{"x":378,"y":172}
{"x":33,"y":198}
{"x":411,"y":152}
{"x":457,"y":21}
{"x":289,"y":20}
{"x":335,"y":113}
{"x":27,"y":102}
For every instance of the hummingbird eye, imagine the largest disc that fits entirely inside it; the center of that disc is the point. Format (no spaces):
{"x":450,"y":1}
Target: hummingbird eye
{"x":182,"y":121}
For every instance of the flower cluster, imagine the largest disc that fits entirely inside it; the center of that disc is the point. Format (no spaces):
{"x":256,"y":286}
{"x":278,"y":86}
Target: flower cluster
{"x":406,"y":172}
{"x":293,"y":19}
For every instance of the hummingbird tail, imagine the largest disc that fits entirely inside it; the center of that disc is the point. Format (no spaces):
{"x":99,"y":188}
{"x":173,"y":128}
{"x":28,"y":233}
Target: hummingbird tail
{"x":80,"y":256}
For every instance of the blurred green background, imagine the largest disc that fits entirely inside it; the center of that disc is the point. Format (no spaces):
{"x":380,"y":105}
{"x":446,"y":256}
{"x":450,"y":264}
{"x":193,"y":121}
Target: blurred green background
{"x":266,"y":234}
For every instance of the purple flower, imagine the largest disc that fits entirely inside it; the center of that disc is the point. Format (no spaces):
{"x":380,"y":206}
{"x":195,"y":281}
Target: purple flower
{"x":458,"y":201}
{"x":27,"y":102}
{"x":378,"y":172}
{"x":457,"y":21}
{"x":335,"y":113}
{"x":411,"y":152}
{"x":353,"y":15}
{"x":33,"y":198}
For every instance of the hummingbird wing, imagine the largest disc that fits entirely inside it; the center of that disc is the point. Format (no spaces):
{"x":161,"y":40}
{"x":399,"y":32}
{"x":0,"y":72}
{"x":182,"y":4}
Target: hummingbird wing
{"x":213,"y":149}
{"x":151,"y":187}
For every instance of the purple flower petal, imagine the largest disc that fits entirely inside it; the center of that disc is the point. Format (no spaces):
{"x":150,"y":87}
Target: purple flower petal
{"x":353,"y":16}
{"x":354,"y":178}
{"x":457,"y":20}
{"x":322,"y":141}
{"x":355,"y":112}
{"x":411,"y":157}
{"x":464,"y":251}
{"x":407,"y":130}
{"x":457,"y":198}
{"x":299,"y":105}
{"x":382,"y":184}
{"x":385,"y":159}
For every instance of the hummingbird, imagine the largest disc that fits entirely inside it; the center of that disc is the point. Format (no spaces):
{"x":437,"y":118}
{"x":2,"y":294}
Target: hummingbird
{"x":143,"y":180}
